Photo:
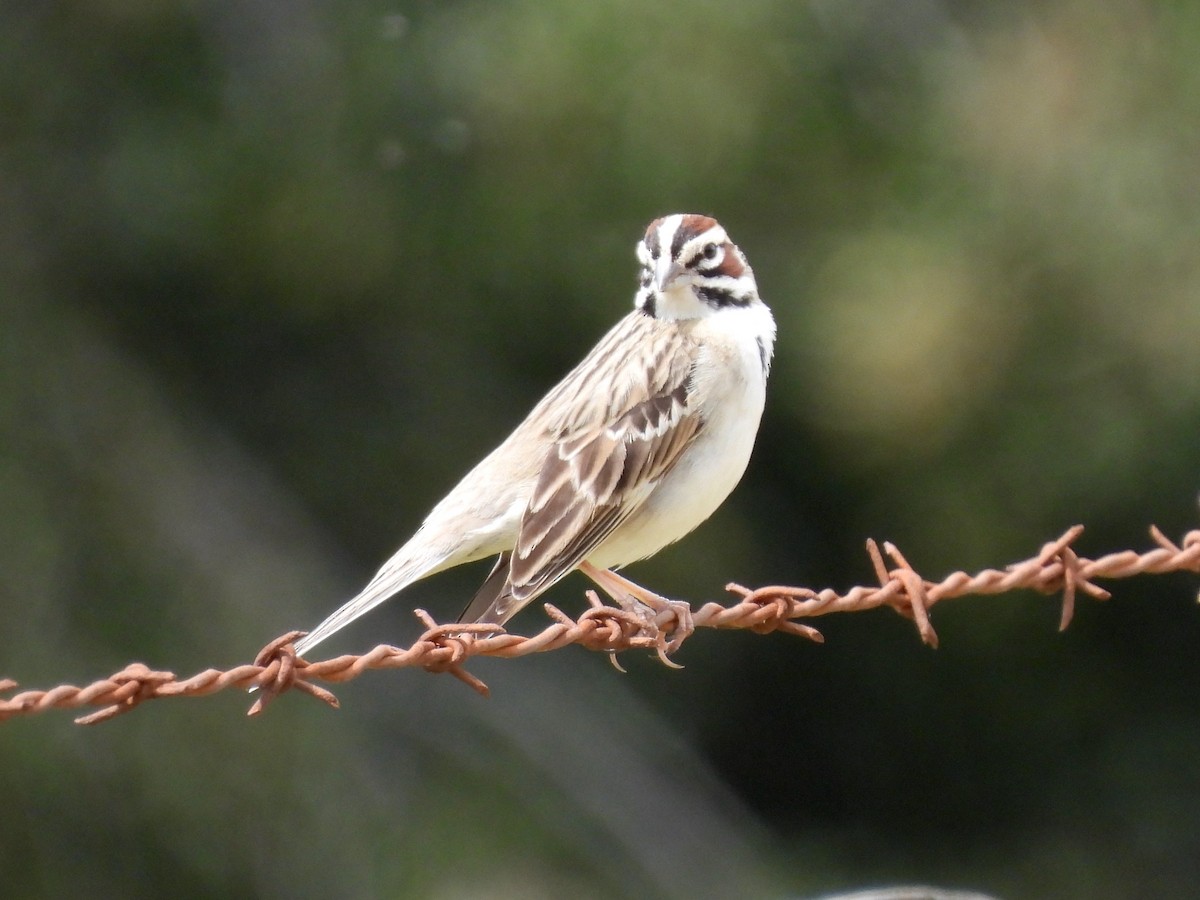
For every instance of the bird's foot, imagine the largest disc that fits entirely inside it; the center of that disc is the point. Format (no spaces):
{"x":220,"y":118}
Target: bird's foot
{"x":647,"y":606}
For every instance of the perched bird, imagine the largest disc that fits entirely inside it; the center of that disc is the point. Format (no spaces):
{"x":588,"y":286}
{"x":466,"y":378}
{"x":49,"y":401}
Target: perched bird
{"x":634,"y":448}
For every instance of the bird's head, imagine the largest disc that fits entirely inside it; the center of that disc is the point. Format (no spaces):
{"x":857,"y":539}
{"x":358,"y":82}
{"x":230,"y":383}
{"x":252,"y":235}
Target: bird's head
{"x":690,"y":269}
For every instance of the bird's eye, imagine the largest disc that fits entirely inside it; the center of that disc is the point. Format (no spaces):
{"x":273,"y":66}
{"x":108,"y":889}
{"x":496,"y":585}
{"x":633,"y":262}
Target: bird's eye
{"x":710,"y":251}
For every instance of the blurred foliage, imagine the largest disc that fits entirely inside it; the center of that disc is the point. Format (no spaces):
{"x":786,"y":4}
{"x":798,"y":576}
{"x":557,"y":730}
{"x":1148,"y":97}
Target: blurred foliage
{"x":274,"y":276}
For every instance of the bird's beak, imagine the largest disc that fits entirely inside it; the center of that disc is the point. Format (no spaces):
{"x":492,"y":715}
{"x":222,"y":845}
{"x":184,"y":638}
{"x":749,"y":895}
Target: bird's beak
{"x":665,"y":272}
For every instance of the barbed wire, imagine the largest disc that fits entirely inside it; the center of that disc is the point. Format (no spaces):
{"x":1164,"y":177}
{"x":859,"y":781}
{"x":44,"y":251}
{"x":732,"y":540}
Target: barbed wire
{"x":445,"y":648}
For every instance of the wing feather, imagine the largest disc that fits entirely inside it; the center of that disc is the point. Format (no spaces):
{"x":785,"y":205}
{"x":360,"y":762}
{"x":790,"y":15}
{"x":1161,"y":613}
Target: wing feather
{"x":611,"y":448}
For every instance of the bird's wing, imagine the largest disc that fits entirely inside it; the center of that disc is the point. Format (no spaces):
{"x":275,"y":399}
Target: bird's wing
{"x":617,"y":437}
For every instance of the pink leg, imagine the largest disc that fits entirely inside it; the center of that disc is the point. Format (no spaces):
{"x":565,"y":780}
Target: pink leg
{"x":622,"y":590}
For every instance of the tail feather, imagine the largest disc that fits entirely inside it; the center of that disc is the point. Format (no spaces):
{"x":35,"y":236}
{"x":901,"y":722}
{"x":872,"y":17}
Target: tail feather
{"x":495,"y":602}
{"x":487,"y":605}
{"x":371,"y":596}
{"x":407,"y":566}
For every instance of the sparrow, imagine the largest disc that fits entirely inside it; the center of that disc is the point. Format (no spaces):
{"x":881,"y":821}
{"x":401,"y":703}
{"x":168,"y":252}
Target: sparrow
{"x":635,"y":447}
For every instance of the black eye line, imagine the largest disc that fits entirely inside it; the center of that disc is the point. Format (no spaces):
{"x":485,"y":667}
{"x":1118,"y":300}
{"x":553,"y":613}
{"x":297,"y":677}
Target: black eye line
{"x":700,"y":257}
{"x":704,"y":255}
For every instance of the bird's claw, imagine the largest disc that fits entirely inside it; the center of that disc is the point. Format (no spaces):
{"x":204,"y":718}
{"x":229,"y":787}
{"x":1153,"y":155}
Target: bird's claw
{"x":646,"y":610}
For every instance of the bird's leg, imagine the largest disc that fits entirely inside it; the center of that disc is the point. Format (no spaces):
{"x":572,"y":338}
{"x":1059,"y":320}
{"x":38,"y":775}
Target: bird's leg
{"x":622,"y":590}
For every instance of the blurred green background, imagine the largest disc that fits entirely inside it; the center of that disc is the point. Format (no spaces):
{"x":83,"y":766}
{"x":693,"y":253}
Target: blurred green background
{"x":273,"y":276}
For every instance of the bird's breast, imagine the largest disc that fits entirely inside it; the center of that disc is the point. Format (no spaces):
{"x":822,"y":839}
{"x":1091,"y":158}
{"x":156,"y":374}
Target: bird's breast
{"x":730,"y":391}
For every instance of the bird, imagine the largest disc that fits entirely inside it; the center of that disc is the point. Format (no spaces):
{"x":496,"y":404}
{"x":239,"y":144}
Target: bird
{"x":638,"y":445}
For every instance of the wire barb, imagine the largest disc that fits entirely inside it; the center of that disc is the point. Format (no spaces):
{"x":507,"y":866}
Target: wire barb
{"x":1056,"y":569}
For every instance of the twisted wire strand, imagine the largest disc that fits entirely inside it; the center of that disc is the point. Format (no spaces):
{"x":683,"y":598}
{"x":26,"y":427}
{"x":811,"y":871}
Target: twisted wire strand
{"x":1056,"y":568}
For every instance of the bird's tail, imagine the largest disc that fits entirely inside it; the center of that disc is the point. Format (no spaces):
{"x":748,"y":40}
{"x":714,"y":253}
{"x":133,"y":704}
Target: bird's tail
{"x":397,"y":573}
{"x":486,"y":605}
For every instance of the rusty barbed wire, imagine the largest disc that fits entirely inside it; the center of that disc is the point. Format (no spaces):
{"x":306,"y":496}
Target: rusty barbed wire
{"x":445,"y":648}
